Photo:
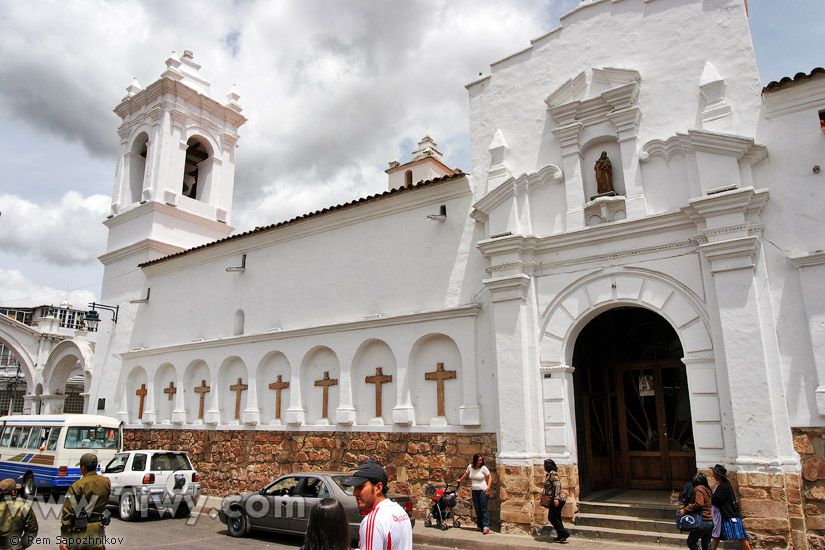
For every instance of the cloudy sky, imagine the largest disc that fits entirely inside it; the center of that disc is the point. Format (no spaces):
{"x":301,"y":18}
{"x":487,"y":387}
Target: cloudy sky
{"x":333,"y":90}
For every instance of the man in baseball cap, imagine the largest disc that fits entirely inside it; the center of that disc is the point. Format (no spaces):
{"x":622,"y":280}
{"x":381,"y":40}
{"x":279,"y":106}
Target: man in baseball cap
{"x":386,"y":525}
{"x":18,"y":525}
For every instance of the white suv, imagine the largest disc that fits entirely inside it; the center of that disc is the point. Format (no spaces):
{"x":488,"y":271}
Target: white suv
{"x":152,"y":478}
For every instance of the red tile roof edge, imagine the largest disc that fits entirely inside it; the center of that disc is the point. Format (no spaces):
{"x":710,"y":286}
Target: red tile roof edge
{"x":261,"y":229}
{"x":773,"y":86}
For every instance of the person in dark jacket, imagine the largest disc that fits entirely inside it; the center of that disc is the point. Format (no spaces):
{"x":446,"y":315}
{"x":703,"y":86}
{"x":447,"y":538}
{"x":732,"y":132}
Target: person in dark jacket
{"x":729,"y":523}
{"x":552,"y":487}
{"x":700,"y":504}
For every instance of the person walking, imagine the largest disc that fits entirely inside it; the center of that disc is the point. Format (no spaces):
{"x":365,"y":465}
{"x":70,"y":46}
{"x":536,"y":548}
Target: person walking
{"x":82,"y":524}
{"x":700,"y":503}
{"x":18,"y":525}
{"x":552,"y":487}
{"x":386,"y":525}
{"x":327,"y":527}
{"x":480,"y":479}
{"x":728,"y":524}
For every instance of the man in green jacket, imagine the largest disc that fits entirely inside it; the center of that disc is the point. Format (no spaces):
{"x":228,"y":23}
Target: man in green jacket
{"x":18,"y":526}
{"x":82,"y":522}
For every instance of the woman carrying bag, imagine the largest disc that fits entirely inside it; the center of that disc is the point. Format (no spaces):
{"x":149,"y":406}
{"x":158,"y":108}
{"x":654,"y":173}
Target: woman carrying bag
{"x":700,"y":504}
{"x":553,"y":498}
{"x":729,"y":523}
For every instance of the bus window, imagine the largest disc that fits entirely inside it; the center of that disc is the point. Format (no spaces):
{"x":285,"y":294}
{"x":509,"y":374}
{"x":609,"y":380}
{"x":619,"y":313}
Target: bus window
{"x":34,"y":438}
{"x":24,"y":436}
{"x":4,"y":441}
{"x":52,"y":444}
{"x":91,"y":438}
{"x":15,"y":436}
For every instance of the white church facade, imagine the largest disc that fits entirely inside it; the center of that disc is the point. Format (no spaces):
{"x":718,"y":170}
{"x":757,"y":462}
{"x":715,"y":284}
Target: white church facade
{"x":629,"y":281}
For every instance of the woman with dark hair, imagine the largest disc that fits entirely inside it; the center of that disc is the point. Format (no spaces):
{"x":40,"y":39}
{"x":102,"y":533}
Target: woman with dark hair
{"x":552,"y":487}
{"x":327,"y":528}
{"x":729,"y":524}
{"x":700,"y":503}
{"x":480,"y":478}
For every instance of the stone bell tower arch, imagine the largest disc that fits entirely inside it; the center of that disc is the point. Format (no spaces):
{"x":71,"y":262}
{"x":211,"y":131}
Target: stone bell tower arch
{"x":173,"y":191}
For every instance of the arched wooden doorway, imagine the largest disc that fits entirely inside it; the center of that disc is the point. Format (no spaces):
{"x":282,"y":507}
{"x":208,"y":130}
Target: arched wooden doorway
{"x":632,"y":403}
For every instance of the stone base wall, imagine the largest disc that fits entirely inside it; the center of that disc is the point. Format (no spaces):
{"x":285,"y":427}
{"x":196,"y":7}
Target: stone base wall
{"x":520,"y":492}
{"x":236,"y":461}
{"x":810,"y":444}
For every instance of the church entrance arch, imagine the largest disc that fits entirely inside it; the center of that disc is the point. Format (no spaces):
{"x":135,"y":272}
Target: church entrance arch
{"x":633,"y":419}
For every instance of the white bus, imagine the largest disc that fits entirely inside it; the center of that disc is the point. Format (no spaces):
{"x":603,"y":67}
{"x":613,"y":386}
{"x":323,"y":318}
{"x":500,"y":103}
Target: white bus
{"x":43,"y":451}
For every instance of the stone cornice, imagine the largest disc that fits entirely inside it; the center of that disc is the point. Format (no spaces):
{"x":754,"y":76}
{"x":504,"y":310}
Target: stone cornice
{"x":515,"y":186}
{"x":731,"y":255}
{"x":807,"y":259}
{"x":179,"y":213}
{"x":699,"y":360}
{"x":743,"y":148}
{"x":165,"y":85}
{"x":746,"y":200}
{"x":552,"y":368}
{"x":595,"y":235}
{"x":146,"y":245}
{"x":512,"y":287}
{"x":800,"y":96}
{"x":470,"y":310}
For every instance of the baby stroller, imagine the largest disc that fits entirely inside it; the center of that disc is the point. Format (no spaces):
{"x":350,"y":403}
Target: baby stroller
{"x":443,"y":502}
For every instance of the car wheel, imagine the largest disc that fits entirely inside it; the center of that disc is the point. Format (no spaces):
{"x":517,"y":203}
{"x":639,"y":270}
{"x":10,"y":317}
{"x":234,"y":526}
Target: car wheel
{"x":127,"y":508}
{"x":183,"y":511}
{"x":27,"y":489}
{"x":236,"y":523}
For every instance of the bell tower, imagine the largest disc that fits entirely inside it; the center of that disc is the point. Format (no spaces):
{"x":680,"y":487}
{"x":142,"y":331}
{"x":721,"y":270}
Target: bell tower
{"x":173,"y":191}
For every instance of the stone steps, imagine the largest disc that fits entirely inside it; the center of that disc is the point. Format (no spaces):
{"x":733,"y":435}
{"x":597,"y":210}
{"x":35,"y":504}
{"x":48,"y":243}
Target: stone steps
{"x":647,"y":524}
{"x":626,"y":523}
{"x":675,"y":539}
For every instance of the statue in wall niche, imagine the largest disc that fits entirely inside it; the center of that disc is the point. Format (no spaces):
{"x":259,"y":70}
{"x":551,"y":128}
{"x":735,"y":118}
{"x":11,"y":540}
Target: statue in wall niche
{"x":604,"y":174}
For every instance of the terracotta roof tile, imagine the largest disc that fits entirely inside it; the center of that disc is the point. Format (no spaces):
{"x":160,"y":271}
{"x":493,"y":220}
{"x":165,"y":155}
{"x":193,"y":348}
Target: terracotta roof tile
{"x":773,"y":86}
{"x":263,"y":229}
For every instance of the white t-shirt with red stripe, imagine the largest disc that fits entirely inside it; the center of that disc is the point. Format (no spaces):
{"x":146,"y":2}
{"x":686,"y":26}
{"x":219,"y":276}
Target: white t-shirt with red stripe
{"x":386,"y":527}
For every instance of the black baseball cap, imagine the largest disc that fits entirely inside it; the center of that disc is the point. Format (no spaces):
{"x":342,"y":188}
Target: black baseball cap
{"x":368,"y":471}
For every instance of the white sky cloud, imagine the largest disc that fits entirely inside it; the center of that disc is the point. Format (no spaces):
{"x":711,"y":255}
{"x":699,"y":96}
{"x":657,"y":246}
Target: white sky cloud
{"x":332,"y":91}
{"x":18,"y":291}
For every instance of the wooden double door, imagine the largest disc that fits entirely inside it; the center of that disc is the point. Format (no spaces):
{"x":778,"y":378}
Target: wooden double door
{"x":637,"y":426}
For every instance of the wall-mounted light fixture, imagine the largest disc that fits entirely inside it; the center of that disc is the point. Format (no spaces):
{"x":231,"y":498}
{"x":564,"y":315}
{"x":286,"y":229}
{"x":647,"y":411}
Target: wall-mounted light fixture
{"x":441,"y":216}
{"x":241,"y":268}
{"x":142,"y":300}
{"x":92,"y":318}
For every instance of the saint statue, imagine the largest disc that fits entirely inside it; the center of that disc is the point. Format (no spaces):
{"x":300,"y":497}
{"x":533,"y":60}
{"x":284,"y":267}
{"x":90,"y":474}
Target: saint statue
{"x":604,"y":174}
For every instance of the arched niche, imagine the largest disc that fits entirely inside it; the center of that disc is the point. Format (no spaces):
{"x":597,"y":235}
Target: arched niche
{"x":590,"y":152}
{"x":371,"y":356}
{"x":233,"y":389}
{"x":273,"y":376}
{"x":238,"y":325}
{"x":137,"y":382}
{"x":320,"y":366}
{"x":137,"y":166}
{"x":425,"y":356}
{"x":165,"y":386}
{"x":197,"y":389}
{"x":197,"y":170}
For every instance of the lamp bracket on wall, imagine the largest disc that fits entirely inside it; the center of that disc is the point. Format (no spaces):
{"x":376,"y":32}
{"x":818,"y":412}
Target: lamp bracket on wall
{"x":142,"y":300}
{"x":241,"y":268}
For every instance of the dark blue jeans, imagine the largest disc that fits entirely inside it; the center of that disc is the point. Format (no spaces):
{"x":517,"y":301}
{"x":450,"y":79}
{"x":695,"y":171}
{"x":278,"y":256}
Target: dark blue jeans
{"x":480,"y":504}
{"x":704,"y":533}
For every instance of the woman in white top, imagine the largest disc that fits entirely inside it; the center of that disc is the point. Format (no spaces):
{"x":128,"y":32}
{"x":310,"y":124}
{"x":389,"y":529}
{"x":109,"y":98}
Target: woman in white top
{"x":480,"y":477}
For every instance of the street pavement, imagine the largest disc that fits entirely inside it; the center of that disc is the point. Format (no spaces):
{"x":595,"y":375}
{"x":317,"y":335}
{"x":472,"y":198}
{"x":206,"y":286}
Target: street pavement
{"x":205,"y":531}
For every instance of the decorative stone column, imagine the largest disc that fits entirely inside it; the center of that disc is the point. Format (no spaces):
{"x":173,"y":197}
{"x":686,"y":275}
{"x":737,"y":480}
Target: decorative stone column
{"x":295,"y":415}
{"x":403,"y":414}
{"x":568,"y":136}
{"x":345,"y":412}
{"x":251,"y":416}
{"x":179,"y":410}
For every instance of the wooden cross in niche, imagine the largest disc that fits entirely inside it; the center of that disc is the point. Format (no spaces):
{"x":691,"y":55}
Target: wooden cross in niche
{"x":379,"y":380}
{"x":171,"y":390}
{"x":326,"y":382}
{"x":278,"y":386}
{"x":203,"y":389}
{"x":440,"y":375}
{"x":238,"y":388}
{"x":142,"y":393}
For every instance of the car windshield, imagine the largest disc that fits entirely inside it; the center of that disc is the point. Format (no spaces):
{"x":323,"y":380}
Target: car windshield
{"x":339,"y":481}
{"x":170,"y":461}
